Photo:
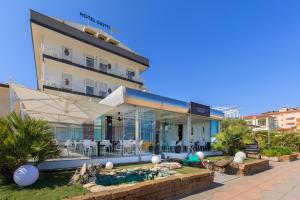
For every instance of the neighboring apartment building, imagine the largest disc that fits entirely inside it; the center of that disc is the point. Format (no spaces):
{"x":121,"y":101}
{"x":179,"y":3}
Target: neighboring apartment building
{"x":285,"y":118}
{"x":82,"y":61}
{"x":261,"y":122}
{"x":229,"y":112}
{"x":4,"y":100}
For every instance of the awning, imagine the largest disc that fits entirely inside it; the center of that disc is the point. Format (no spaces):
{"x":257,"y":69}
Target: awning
{"x":124,"y":95}
{"x":57,"y":109}
{"x":129,"y":96}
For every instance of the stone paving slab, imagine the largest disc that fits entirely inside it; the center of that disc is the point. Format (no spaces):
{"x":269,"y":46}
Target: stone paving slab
{"x":282,"y":182}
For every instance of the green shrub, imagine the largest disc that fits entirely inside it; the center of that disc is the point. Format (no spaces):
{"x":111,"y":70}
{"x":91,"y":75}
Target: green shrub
{"x":276,"y":151}
{"x":235,"y":134}
{"x":289,"y":140}
{"x":21,"y":140}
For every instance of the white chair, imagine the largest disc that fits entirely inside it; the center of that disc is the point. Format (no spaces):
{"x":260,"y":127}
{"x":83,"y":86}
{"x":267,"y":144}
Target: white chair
{"x":127,"y":147}
{"x":172,"y":145}
{"x":202,"y":145}
{"x":87,"y":147}
{"x":140,"y":145}
{"x":165,"y":147}
{"x":118,"y":147}
{"x":185,"y":146}
{"x":94,"y":147}
{"x":106,"y":145}
{"x":69,"y":145}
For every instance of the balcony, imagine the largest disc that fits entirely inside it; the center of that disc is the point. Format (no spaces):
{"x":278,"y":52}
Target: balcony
{"x":60,"y":88}
{"x":52,"y":55}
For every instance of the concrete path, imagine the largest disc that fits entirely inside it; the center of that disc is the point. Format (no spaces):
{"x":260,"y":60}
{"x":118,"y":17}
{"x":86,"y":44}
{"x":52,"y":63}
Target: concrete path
{"x":280,"y":182}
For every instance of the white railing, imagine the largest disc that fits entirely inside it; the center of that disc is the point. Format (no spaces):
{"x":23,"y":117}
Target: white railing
{"x":56,"y":54}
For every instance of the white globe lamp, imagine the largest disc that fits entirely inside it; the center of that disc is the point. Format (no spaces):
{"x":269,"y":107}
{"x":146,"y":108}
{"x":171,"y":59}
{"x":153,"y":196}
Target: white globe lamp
{"x":241,"y":154}
{"x":26,"y":175}
{"x":238,"y":160}
{"x":155,"y":159}
{"x":109,"y":165}
{"x":201,"y":155}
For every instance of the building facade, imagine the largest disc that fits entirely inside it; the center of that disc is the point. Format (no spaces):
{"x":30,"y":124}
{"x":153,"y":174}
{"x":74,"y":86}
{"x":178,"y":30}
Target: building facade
{"x":81,"y":60}
{"x":284,"y":119}
{"x":229,"y":112}
{"x":4,"y":100}
{"x":261,"y":122}
{"x":91,"y":90}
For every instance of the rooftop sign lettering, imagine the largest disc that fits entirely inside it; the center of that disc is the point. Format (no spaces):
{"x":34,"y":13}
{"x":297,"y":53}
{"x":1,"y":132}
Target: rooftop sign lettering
{"x":96,"y":21}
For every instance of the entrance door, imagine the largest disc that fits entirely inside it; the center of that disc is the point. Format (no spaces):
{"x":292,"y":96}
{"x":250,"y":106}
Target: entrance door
{"x":180,"y":130}
{"x":109,"y":130}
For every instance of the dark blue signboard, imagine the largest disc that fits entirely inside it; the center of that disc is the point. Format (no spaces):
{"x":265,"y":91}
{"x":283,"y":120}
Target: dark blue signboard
{"x":199,"y":109}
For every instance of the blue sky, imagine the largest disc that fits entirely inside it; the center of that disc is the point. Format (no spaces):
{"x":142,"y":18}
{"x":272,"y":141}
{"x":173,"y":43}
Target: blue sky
{"x":220,"y":53}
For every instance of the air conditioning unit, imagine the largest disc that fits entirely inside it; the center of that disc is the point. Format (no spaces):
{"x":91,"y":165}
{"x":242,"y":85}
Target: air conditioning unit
{"x":66,"y":53}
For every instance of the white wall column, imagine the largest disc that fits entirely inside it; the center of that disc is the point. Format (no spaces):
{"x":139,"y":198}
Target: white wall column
{"x":189,"y":130}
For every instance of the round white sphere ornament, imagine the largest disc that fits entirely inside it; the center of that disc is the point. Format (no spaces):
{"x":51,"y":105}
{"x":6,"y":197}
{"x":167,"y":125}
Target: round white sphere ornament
{"x":109,"y":165}
{"x":155,"y":159}
{"x":26,"y":175}
{"x":238,"y":160}
{"x":241,"y":154}
{"x":201,"y":155}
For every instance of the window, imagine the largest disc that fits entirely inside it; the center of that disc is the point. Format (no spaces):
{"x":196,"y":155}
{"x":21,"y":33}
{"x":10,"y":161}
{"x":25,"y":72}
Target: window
{"x":102,"y":89}
{"x":261,"y":122}
{"x":103,"y":65}
{"x":89,"y":87}
{"x":90,"y":61}
{"x":67,"y":53}
{"x":89,"y":90}
{"x":67,"y":81}
{"x":130,"y":74}
{"x":291,"y":118}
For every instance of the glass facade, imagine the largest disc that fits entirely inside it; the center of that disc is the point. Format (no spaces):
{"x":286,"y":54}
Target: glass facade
{"x":99,"y":129}
{"x":63,"y":134}
{"x":133,"y":132}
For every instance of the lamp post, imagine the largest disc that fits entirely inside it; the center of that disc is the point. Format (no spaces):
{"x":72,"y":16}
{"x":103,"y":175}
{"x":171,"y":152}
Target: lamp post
{"x":268,"y":138}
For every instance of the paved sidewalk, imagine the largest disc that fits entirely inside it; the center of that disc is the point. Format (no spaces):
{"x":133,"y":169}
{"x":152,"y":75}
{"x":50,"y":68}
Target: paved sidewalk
{"x":281,"y":182}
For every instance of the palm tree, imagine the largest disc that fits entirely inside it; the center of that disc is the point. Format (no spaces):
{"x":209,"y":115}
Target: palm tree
{"x":23,"y":139}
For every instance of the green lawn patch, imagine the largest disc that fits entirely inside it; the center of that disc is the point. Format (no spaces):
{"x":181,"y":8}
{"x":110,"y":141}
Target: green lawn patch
{"x":190,"y":170}
{"x":50,"y":186}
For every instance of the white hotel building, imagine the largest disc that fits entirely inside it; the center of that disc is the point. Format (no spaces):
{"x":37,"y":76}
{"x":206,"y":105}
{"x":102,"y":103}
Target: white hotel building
{"x":91,"y":90}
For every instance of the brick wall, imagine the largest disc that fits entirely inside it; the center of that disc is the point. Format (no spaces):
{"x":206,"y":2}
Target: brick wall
{"x":168,"y":188}
{"x":292,"y":157}
{"x":247,"y":169}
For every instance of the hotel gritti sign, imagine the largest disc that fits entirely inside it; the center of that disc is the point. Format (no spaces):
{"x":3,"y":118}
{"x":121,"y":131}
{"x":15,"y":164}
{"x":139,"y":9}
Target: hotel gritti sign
{"x":96,"y":21}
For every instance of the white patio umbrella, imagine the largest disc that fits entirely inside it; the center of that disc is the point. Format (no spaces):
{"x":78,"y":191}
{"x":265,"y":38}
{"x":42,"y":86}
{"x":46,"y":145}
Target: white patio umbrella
{"x":57,"y":109}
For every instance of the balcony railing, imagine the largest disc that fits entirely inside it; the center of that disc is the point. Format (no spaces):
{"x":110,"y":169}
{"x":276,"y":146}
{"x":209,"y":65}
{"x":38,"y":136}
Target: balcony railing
{"x":52,"y":55}
{"x":60,"y":88}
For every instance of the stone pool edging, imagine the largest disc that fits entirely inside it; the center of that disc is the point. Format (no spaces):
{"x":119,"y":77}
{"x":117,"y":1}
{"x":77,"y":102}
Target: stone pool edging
{"x":172,"y":187}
